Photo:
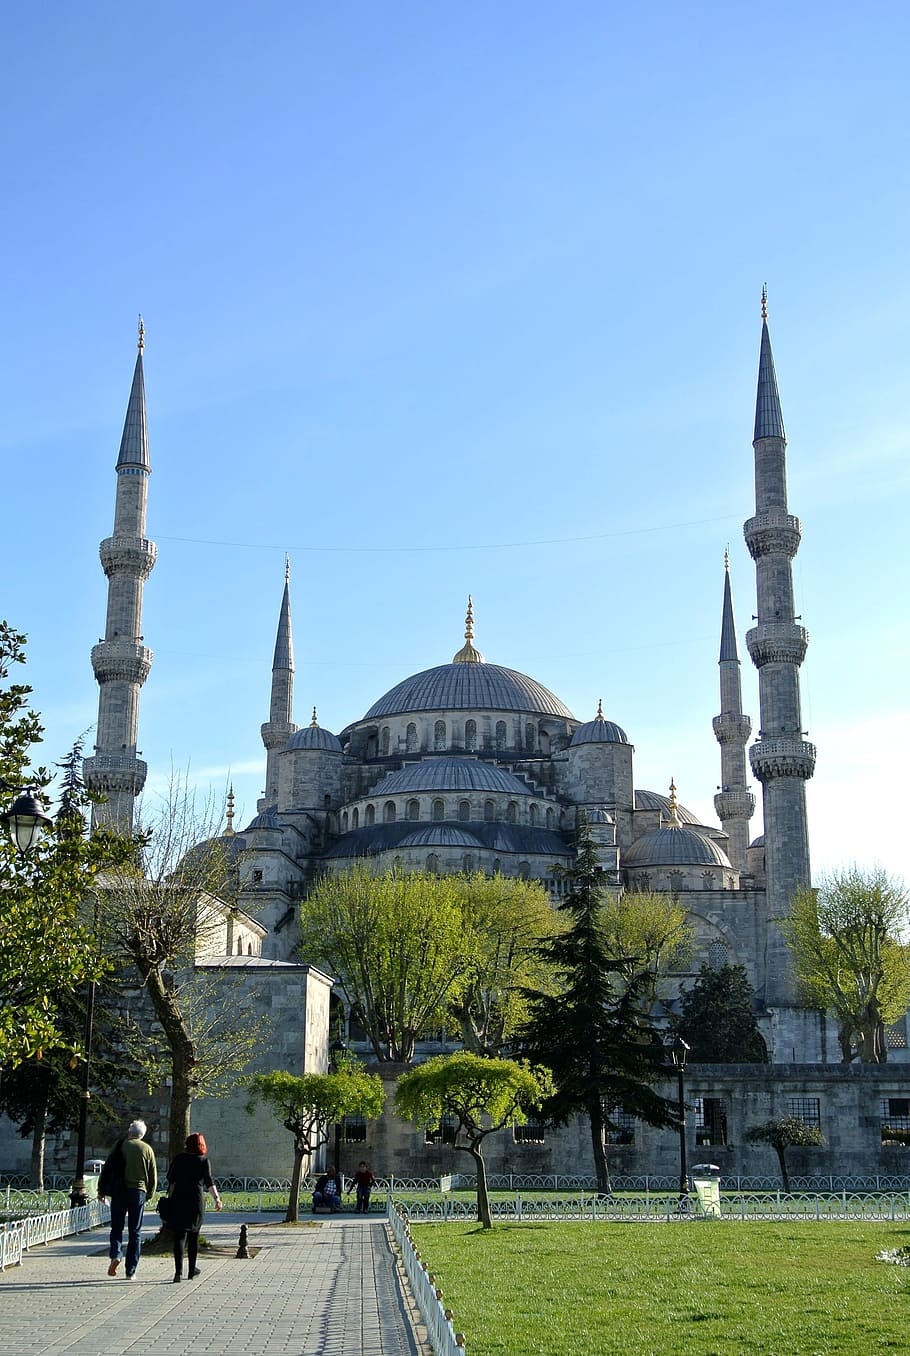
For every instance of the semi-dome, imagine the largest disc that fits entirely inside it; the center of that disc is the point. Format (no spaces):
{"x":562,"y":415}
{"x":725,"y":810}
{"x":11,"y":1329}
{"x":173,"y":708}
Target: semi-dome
{"x":599,"y":731}
{"x":451,"y":774}
{"x":600,"y":816}
{"x":313,"y":736}
{"x":441,"y":835}
{"x":675,"y":845}
{"x":652,"y":800}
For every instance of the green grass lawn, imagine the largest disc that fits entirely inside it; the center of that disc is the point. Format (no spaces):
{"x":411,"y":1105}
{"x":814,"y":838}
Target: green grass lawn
{"x":679,"y":1289}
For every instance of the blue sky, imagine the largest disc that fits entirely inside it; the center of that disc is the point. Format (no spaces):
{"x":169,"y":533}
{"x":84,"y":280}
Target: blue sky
{"x":465,"y":298}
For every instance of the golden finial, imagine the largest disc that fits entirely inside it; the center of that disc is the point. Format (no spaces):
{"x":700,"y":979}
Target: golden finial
{"x":141,"y":333}
{"x":287,"y":569}
{"x":675,"y":822}
{"x":314,"y":723}
{"x":600,"y":709}
{"x":229,"y":829}
{"x":764,"y":301}
{"x":727,"y":559}
{"x":468,"y":654}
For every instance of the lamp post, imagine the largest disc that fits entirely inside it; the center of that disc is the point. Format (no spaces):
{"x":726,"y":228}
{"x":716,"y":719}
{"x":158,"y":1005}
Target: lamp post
{"x":337,"y":1052}
{"x":679,"y":1050}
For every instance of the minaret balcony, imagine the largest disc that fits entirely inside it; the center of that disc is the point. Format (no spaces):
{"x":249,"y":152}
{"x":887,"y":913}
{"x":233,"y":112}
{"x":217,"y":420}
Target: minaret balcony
{"x":772,"y":533}
{"x":734,"y":805}
{"x":782,"y":756}
{"x":731,"y":728}
{"x":110,"y":774}
{"x":122,"y":661}
{"x":134,"y":556}
{"x":777,"y":643}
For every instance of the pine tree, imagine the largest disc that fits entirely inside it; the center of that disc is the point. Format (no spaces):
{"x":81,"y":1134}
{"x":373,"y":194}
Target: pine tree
{"x":593,"y":1033}
{"x":718,"y":1020}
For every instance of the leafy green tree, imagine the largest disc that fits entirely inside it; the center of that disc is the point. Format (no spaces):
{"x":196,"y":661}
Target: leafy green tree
{"x":398,"y":944}
{"x":848,"y":941}
{"x":307,"y":1104}
{"x":648,"y":934}
{"x":45,"y":947}
{"x":594,"y":1033}
{"x":717,"y":1018}
{"x":784,"y":1133}
{"x":481,"y":1095}
{"x":507,"y":919}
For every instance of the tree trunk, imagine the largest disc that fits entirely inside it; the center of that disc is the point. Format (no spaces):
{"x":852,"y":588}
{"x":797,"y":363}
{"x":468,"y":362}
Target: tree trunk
{"x":782,"y":1160}
{"x":483,"y":1199}
{"x":183,"y":1058}
{"x":598,"y":1148}
{"x":293,"y":1211}
{"x":38,"y":1141}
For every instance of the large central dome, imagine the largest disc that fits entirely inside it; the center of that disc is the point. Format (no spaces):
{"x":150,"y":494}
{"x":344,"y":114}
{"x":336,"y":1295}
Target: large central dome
{"x":469,"y":687}
{"x":469,"y":683}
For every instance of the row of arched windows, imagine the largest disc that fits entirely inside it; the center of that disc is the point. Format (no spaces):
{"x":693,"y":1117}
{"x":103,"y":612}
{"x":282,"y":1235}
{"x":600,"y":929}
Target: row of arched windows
{"x":536,"y":815}
{"x":441,"y":737}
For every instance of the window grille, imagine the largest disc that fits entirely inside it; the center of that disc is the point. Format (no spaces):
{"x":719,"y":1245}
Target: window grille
{"x":710,"y":1120}
{"x":623,"y":1131}
{"x":355,"y":1130}
{"x":806,"y":1109}
{"x":532,"y":1132}
{"x":444,"y":1133}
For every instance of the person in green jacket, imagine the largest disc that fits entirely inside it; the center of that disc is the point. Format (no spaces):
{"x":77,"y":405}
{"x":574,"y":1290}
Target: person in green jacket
{"x":129,"y":1177}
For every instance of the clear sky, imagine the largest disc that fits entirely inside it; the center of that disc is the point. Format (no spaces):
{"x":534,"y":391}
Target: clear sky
{"x":463,"y":298}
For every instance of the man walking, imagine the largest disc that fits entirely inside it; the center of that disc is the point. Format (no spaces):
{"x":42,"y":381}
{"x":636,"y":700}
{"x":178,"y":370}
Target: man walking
{"x":129,"y":1177}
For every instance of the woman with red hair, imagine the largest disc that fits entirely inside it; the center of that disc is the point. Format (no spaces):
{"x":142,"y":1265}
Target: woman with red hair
{"x":189,"y":1178}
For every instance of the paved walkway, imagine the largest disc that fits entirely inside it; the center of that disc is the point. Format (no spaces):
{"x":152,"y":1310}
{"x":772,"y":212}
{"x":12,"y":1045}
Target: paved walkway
{"x":327,"y":1286}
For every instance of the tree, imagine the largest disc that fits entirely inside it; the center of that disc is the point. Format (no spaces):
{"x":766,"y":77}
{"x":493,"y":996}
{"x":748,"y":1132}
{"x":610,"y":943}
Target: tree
{"x":717,"y":1018}
{"x":594,"y":1033}
{"x":158,"y":916}
{"x":397,"y":942}
{"x":649,"y":934}
{"x":307,"y":1104}
{"x":507,"y":919}
{"x":783,"y":1133}
{"x":45,"y":948}
{"x":849,"y":952}
{"x":481,"y":1095}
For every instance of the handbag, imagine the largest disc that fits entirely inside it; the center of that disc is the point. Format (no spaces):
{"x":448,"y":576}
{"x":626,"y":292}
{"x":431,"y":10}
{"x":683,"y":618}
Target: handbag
{"x":165,"y":1207}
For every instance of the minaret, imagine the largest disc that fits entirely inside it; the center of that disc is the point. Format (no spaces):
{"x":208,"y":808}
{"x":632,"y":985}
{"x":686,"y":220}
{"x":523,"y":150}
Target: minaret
{"x":782,"y":760}
{"x":121,"y":662}
{"x":734,"y":802}
{"x":280,"y":726}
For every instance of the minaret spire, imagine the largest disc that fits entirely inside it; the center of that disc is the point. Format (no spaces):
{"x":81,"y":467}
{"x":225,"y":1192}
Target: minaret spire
{"x":120,"y":660}
{"x":734,"y":802}
{"x":782,"y":759}
{"x":280,"y":725}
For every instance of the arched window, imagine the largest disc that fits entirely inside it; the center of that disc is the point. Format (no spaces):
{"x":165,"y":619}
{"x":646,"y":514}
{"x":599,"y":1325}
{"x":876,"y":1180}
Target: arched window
{"x":512,"y":813}
{"x":432,"y":862}
{"x":411,"y":737}
{"x":549,"y":817}
{"x":239,"y":946}
{"x":467,"y":863}
{"x":524,"y":870}
{"x":489,"y":810}
{"x":470,"y":735}
{"x":529,"y":736}
{"x":439,"y":735}
{"x":532,"y":813}
{"x":676,"y":879}
{"x":384,"y":740}
{"x":439,"y":809}
{"x":344,"y":821}
{"x":370,"y":814}
{"x":355,"y":819}
{"x":249,"y":950}
{"x":413,"y":810}
{"x":500,"y":734}
{"x":464,"y":810}
{"x":718,"y":954}
{"x":388,"y":812}
{"x":497,"y":866}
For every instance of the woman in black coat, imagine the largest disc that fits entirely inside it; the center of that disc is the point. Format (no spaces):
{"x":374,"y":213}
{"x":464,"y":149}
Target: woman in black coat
{"x":189,"y":1178}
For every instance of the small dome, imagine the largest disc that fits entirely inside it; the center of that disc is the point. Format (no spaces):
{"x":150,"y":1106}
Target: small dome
{"x":600,"y":817}
{"x":314,"y":737}
{"x":758,"y":842}
{"x":599,"y":731}
{"x":441,"y":835}
{"x":675,"y":846}
{"x":451,"y":774}
{"x":268,"y":819}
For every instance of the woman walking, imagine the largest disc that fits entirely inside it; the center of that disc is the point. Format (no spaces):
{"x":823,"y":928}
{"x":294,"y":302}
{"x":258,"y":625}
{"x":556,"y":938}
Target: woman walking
{"x":189,"y":1178}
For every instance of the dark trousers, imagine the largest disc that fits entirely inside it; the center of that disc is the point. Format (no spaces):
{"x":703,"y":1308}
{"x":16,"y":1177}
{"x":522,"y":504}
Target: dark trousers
{"x":192,"y":1250}
{"x":127,"y":1207}
{"x":363,"y":1198}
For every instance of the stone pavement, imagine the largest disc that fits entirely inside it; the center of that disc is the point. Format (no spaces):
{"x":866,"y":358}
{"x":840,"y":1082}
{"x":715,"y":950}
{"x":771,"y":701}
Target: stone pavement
{"x":328,"y":1286}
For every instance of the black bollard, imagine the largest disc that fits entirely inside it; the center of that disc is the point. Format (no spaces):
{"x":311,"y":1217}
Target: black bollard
{"x":242,"y":1250}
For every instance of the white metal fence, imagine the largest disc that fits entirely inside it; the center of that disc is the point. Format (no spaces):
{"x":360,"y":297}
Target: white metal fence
{"x":659,"y":1206}
{"x":428,"y":1297}
{"x":29,"y":1231}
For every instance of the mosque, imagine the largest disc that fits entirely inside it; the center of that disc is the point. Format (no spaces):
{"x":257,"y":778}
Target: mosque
{"x":472,"y":766}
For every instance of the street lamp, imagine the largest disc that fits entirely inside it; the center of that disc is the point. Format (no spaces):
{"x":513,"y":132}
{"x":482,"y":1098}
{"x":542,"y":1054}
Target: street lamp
{"x":679,"y":1050}
{"x":25,"y":821}
{"x":337,"y":1052}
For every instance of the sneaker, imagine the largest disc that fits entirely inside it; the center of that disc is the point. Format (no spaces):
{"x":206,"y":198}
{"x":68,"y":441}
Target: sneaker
{"x":112,"y":1269}
{"x":130,"y":1275}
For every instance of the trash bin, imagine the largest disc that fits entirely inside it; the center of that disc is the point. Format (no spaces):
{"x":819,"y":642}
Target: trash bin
{"x":706,"y":1180}
{"x":90,"y":1173}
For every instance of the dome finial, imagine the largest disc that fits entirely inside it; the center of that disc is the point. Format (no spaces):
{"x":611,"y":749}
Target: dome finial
{"x":727,"y":559}
{"x":314,"y":723}
{"x":229,"y":828}
{"x":675,"y":822}
{"x":141,"y":333}
{"x":468,"y":654}
{"x":764,"y":301}
{"x":600,"y":709}
{"x":287,"y":568}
